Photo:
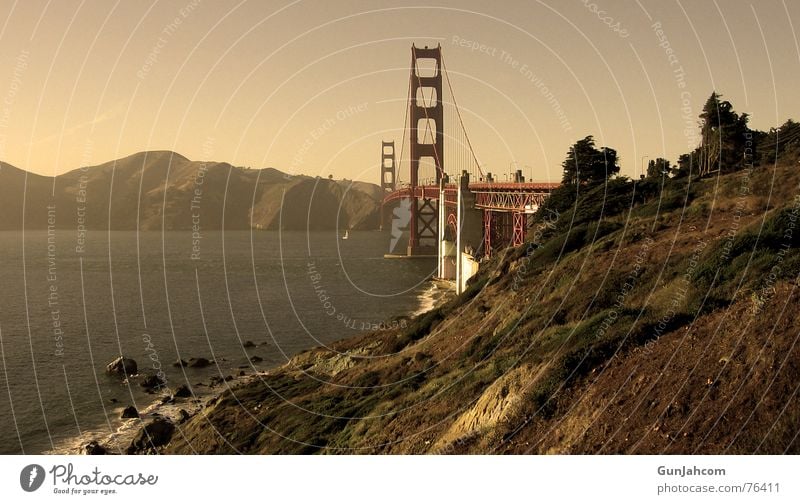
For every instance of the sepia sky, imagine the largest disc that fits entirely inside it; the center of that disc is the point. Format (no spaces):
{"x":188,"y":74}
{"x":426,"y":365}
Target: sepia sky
{"x":313,"y":86}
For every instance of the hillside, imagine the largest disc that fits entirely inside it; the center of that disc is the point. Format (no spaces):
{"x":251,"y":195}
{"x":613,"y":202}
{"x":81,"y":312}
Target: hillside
{"x":644,"y":319}
{"x":164,"y":190}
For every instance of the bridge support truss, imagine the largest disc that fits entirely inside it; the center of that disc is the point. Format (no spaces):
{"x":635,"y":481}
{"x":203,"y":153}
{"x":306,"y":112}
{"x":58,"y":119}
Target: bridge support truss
{"x":518,"y":228}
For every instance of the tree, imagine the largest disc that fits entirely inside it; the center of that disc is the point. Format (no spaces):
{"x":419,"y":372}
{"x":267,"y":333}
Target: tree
{"x":779,"y":144}
{"x":587,"y":165}
{"x":687,"y":163}
{"x":723,"y":136}
{"x":657,"y":168}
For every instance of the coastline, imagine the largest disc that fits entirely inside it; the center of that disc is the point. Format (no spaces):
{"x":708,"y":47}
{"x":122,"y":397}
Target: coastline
{"x":435,"y":294}
{"x":162,"y":407}
{"x":179,"y":410}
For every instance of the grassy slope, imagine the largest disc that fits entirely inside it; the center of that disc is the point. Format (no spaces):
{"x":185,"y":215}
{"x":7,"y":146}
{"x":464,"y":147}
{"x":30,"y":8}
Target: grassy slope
{"x":659,"y":329}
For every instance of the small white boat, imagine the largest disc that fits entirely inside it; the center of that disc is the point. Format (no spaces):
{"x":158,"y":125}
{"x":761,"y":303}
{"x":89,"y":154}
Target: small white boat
{"x":346,"y":234}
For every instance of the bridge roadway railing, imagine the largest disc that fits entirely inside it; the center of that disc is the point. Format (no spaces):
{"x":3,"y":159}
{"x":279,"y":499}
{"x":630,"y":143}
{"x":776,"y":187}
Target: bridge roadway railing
{"x":508,"y":197}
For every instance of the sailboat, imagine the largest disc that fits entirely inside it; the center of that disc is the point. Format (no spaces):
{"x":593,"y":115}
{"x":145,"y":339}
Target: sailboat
{"x":346,"y":234}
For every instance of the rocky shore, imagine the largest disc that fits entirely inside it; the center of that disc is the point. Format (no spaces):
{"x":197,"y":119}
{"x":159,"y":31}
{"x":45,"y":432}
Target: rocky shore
{"x":151,"y":430}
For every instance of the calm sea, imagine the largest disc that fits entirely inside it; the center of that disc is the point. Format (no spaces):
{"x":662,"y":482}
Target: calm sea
{"x":65,"y":313}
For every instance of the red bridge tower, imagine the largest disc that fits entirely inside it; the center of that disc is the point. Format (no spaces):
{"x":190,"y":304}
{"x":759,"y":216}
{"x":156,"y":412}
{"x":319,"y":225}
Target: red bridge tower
{"x":388,"y":171}
{"x":427,"y":145}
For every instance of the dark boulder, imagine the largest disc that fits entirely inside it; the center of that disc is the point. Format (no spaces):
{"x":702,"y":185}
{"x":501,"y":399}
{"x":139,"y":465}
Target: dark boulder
{"x":122,"y":366}
{"x":199,"y":362}
{"x":152,"y":436}
{"x":249,"y":344}
{"x":184,"y":415}
{"x":256,"y":359}
{"x":218,"y":380}
{"x":94,"y":448}
{"x":152,"y":382}
{"x":183,"y":391}
{"x":130,"y":412}
{"x":179,"y":363}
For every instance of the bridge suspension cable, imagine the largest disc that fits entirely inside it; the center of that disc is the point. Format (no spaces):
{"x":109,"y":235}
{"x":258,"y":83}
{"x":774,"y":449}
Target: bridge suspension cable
{"x":461,"y":120}
{"x":405,"y":132}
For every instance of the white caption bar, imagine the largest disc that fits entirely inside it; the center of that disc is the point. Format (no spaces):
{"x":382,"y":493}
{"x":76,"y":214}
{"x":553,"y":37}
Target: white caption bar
{"x":402,"y":479}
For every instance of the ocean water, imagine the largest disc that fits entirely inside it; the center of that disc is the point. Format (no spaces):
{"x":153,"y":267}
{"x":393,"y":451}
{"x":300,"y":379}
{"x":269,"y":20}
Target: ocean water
{"x":68,"y":307}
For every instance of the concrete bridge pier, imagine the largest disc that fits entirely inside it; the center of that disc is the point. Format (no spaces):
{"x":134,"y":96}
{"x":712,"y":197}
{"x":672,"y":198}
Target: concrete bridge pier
{"x":460,"y":235}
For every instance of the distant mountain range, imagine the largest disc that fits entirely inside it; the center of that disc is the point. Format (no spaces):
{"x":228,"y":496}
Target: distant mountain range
{"x":164,"y":190}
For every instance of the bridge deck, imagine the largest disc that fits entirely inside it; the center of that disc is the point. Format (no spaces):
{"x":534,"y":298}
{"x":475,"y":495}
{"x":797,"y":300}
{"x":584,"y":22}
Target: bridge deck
{"x":498,"y":197}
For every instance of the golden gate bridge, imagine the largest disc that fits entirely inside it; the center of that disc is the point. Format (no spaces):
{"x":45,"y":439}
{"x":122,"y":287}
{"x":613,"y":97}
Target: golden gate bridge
{"x":454,"y":208}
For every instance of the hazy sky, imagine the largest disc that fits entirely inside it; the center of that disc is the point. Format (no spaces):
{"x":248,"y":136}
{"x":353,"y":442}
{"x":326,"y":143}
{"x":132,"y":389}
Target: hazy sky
{"x":312,"y":86}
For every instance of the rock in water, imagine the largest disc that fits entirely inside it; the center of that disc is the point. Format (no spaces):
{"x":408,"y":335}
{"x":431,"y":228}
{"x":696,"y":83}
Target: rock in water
{"x":217,"y":380}
{"x":249,"y":344}
{"x":179,"y":363}
{"x":122,"y":366}
{"x":151,"y":382}
{"x":256,"y":359}
{"x":153,"y":435}
{"x":94,"y":448}
{"x":130,"y":412}
{"x":183,"y":391}
{"x":199,"y":362}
